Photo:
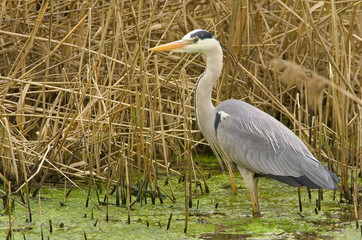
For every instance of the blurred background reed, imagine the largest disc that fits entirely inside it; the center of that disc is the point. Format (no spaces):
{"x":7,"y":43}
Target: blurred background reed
{"x":83,"y":99}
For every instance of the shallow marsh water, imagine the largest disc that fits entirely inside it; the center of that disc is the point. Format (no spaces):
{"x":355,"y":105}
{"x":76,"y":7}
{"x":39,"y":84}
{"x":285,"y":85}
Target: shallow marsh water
{"x":231,"y":219}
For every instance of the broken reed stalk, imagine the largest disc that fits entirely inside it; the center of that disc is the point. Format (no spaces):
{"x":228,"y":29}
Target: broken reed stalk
{"x":128,"y":196}
{"x":50,"y":226}
{"x":9,"y":209}
{"x":158,"y":106}
{"x":28,"y":213}
{"x":108,"y":182}
{"x":169,"y":221}
{"x":40,"y":218}
{"x":187,"y":147}
{"x":152,"y":153}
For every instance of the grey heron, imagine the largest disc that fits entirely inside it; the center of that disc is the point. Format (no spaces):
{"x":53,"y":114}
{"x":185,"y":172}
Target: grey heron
{"x":257,"y":143}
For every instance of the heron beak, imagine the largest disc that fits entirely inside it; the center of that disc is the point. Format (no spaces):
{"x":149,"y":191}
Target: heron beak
{"x":177,"y":45}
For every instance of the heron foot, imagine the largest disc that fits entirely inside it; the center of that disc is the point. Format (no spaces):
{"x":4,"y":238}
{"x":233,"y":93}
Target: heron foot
{"x":256,"y":214}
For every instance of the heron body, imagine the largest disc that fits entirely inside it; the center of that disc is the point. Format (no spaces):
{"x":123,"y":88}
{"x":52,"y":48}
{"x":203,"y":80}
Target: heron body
{"x":256,"y":142}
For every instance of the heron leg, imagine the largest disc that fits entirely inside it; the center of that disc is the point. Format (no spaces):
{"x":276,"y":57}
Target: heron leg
{"x":252,"y":184}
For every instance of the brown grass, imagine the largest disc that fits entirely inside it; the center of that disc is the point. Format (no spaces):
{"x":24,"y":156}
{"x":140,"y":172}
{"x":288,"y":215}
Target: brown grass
{"x":83,"y":98}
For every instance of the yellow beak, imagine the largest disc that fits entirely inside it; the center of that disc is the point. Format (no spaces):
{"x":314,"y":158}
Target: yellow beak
{"x":177,"y":45}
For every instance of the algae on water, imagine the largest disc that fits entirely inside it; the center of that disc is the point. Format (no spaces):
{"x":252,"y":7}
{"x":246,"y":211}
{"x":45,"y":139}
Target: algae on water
{"x":279,"y":206}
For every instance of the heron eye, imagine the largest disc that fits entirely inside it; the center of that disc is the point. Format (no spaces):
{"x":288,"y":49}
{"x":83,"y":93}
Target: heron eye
{"x":196,"y":39}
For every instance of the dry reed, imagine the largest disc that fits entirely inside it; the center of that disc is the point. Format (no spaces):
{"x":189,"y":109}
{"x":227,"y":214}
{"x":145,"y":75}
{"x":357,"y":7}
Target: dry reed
{"x":82,"y":98}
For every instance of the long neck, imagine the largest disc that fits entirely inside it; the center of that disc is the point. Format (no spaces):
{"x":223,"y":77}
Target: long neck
{"x":204,"y":107}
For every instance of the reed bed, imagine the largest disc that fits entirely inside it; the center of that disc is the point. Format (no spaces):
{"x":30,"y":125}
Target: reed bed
{"x":83,"y":99}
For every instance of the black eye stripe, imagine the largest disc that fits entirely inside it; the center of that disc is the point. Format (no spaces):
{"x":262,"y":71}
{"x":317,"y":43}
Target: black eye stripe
{"x":202,"y":34}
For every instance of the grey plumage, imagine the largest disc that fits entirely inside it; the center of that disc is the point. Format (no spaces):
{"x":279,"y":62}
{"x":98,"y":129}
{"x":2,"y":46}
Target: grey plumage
{"x":258,"y":142}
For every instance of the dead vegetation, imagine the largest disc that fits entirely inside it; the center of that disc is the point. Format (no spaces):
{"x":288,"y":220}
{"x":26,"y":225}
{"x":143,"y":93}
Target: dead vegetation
{"x":83,"y":98}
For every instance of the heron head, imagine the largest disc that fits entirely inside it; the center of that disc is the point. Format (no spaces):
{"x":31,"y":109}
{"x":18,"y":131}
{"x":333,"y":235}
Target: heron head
{"x":195,"y":41}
